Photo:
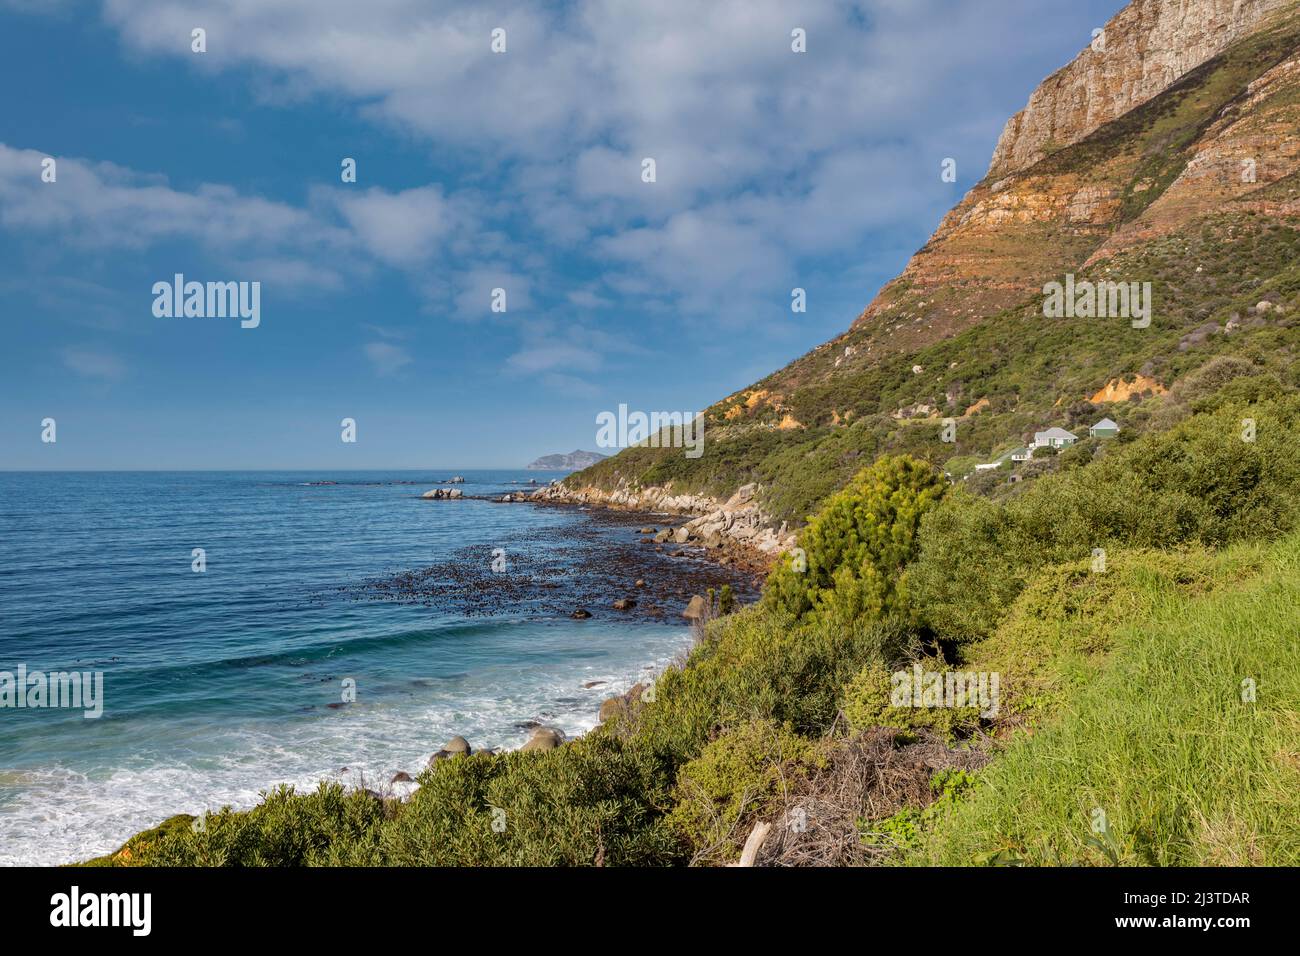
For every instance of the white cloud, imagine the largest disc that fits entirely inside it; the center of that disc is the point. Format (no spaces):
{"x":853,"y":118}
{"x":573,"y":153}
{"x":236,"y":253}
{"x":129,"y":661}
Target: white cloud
{"x":94,"y":205}
{"x":402,"y":228}
{"x":386,"y":357}
{"x":766,"y":158}
{"x":94,"y":364}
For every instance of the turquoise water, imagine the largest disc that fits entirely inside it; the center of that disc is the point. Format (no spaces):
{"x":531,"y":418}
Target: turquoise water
{"x":222,"y":683}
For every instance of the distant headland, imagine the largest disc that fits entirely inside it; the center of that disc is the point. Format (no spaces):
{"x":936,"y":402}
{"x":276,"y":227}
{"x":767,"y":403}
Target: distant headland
{"x":573,"y":461}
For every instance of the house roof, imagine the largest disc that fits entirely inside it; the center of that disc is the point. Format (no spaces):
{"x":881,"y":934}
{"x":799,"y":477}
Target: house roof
{"x":1054,"y":433}
{"x":1106,"y":423}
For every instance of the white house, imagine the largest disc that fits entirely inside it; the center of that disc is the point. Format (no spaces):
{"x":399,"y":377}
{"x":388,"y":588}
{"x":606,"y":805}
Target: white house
{"x":1104,"y":429}
{"x":1053,"y":438}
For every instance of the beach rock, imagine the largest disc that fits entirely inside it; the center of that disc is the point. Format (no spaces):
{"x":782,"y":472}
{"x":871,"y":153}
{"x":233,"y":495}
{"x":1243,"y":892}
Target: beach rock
{"x":612,"y":707}
{"x":662,"y":536}
{"x":544,"y":738}
{"x":438,"y":494}
{"x":593,"y":683}
{"x":633,"y":696}
{"x":682,"y":535}
{"x":695,"y":609}
{"x":581,"y":614}
{"x":624,"y":604}
{"x":457,"y":480}
{"x":402,"y":777}
{"x":640,"y":582}
{"x":456,"y":747}
{"x":647,"y":531}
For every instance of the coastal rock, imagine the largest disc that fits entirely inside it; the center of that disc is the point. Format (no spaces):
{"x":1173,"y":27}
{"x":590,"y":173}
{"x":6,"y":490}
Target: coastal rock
{"x":457,"y":480}
{"x":544,"y":738}
{"x":437,"y":494}
{"x":581,"y":614}
{"x":740,"y":517}
{"x":624,"y":604}
{"x":612,"y":707}
{"x":456,"y":747}
{"x":402,"y":777}
{"x":696,"y":608}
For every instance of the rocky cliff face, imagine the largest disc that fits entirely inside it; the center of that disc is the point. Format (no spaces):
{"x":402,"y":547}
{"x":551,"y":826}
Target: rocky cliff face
{"x":1141,"y":52}
{"x":1127,"y":142}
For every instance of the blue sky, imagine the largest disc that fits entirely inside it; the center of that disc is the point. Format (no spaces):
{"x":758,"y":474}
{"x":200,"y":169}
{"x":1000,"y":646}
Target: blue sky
{"x":475,"y":170}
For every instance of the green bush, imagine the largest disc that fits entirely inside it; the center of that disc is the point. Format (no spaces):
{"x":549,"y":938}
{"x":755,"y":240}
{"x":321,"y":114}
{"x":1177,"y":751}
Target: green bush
{"x":868,"y":702}
{"x":740,"y":775}
{"x":1199,"y":483}
{"x":858,"y":546}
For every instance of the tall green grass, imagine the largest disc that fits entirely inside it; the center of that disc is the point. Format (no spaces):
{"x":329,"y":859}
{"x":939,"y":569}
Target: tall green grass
{"x":1160,"y":740}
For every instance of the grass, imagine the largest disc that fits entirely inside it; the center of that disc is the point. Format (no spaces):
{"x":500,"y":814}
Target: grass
{"x":1160,"y":740}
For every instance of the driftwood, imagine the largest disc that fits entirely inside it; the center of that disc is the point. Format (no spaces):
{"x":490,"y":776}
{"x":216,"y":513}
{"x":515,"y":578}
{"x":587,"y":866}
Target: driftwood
{"x":754,"y":843}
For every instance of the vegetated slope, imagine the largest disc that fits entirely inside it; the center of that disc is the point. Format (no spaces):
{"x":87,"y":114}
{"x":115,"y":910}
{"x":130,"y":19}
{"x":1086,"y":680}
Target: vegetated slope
{"x":1176,"y":743}
{"x":1195,"y":190}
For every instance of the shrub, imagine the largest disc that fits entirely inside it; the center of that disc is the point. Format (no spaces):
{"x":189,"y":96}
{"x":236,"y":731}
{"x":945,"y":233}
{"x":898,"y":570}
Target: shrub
{"x":857,"y":547}
{"x":736,"y":778}
{"x":1198,"y":483}
{"x":868,"y":703}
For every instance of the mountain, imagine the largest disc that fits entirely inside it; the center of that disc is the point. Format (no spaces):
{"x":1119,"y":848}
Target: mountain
{"x":1166,"y":153}
{"x":571,"y":462}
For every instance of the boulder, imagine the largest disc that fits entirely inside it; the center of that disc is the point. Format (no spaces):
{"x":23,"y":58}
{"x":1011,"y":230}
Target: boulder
{"x":696,"y":608}
{"x":663,"y":536}
{"x":624,"y":604}
{"x":682,"y":535}
{"x":647,"y":531}
{"x":640,"y":582}
{"x":544,"y":738}
{"x":612,"y":707}
{"x":402,"y":777}
{"x":438,"y":494}
{"x":457,"y":480}
{"x":581,"y":614}
{"x":456,"y":747}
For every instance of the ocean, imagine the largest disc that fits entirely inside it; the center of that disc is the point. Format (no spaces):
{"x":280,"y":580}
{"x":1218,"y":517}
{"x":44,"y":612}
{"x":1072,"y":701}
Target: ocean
{"x":222,"y":683}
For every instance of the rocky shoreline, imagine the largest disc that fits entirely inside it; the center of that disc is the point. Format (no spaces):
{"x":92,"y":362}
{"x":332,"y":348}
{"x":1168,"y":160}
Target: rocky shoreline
{"x":651,"y":567}
{"x":737,"y":527}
